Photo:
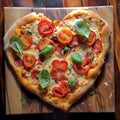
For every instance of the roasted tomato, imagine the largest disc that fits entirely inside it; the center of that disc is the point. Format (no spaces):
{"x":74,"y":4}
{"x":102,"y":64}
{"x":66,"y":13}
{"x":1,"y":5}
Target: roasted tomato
{"x":58,"y":75}
{"x":61,"y":64}
{"x":57,"y":91}
{"x":64,"y":36}
{"x":65,"y":87}
{"x":45,"y":27}
{"x":92,"y":38}
{"x":46,"y":41}
{"x":27,"y":41}
{"x":34,"y":75}
{"x":29,"y":60}
{"x":62,"y":90}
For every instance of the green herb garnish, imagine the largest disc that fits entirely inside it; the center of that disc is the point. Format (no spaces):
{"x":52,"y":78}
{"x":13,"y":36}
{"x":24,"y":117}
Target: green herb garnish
{"x":82,"y":28}
{"x":44,"y":78}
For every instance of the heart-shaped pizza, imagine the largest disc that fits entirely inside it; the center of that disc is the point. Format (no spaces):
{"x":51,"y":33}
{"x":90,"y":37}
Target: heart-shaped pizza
{"x":58,"y":60}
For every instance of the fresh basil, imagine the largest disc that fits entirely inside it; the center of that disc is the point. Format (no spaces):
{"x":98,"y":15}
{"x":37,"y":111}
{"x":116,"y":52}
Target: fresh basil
{"x":28,"y":32}
{"x":70,"y":67}
{"x":76,"y":57}
{"x":23,"y":100}
{"x":93,"y":57}
{"x":66,"y":48}
{"x":17,"y":44}
{"x":82,"y":28}
{"x":44,"y":78}
{"x":46,"y":50}
{"x":72,"y":82}
{"x":92,"y":92}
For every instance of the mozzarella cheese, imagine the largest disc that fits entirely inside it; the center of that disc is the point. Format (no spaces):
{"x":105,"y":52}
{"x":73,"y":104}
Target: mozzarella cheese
{"x":82,"y":49}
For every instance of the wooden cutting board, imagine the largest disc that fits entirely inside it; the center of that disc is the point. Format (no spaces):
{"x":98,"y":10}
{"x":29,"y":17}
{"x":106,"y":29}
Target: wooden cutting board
{"x":19,"y":100}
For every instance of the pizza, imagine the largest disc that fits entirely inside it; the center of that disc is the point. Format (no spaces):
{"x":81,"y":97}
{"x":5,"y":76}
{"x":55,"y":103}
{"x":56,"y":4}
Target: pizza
{"x":58,"y":60}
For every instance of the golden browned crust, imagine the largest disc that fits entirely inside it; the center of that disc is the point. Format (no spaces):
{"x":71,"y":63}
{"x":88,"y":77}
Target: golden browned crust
{"x":66,"y":102}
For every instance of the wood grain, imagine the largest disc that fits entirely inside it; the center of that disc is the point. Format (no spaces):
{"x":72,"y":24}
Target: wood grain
{"x":1,"y":60}
{"x":16,"y":3}
{"x":101,"y":101}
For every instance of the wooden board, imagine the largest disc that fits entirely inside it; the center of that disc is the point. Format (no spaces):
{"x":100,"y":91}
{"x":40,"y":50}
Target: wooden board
{"x":19,"y":100}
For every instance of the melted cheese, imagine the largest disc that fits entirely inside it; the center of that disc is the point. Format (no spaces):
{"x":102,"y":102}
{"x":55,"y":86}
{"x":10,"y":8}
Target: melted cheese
{"x":82,"y":49}
{"x":33,"y":28}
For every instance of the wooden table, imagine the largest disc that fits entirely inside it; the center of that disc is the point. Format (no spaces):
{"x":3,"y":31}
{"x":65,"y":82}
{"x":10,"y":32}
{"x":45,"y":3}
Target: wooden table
{"x":65,"y":3}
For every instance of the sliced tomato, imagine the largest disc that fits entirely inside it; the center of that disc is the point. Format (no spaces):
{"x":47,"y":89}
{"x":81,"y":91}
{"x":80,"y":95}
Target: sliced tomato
{"x":65,"y":87}
{"x":57,"y":91}
{"x":55,"y":63}
{"x":29,"y":60}
{"x":64,"y":36}
{"x":60,"y":64}
{"x":34,"y":75}
{"x":62,"y":90}
{"x":75,"y":41}
{"x":97,"y":47}
{"x":45,"y":27}
{"x":18,"y":62}
{"x":27,"y":41}
{"x":58,"y":75}
{"x":92,"y":37}
{"x":64,"y":65}
{"x":84,"y":67}
{"x":45,"y":41}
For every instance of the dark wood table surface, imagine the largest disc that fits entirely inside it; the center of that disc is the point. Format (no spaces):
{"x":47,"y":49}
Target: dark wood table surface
{"x":64,"y":3}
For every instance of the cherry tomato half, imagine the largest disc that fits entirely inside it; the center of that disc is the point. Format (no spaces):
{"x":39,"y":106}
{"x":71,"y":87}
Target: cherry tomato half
{"x":58,"y":75}
{"x":84,"y":67}
{"x":64,"y":36}
{"x":45,"y":27}
{"x":65,"y":87}
{"x":62,"y":90}
{"x":34,"y":75}
{"x":27,"y":41}
{"x":46,"y":41}
{"x":57,"y":91}
{"x":61,"y":64}
{"x":29,"y":60}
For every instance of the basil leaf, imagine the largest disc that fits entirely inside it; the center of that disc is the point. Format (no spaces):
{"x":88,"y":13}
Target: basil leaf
{"x":82,"y":28}
{"x":44,"y":78}
{"x":46,"y":50}
{"x":70,"y":67}
{"x":92,"y":92}
{"x":23,"y":100}
{"x":76,"y":57}
{"x":66,"y":48}
{"x":72,"y":82}
{"x":28,"y":32}
{"x":17,"y":44}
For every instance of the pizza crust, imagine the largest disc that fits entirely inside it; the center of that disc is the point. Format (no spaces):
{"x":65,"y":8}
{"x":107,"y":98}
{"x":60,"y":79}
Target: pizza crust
{"x":105,"y":36}
{"x":66,"y":102}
